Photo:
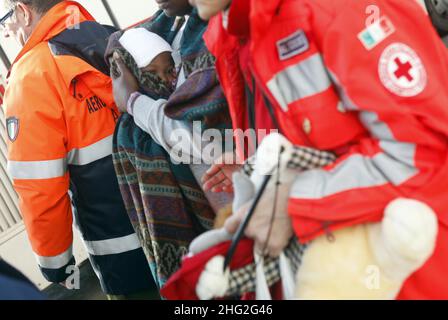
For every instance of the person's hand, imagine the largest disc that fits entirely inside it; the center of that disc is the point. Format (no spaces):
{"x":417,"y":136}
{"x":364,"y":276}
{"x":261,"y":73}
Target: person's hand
{"x":219,"y":177}
{"x":260,"y":224}
{"x":209,"y":8}
{"x":123,"y":82}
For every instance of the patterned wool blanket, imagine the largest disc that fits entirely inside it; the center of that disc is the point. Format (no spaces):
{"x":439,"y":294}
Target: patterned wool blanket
{"x":166,"y":205}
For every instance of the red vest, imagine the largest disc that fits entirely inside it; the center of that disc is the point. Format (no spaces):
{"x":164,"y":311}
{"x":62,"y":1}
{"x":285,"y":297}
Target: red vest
{"x":373,"y":92}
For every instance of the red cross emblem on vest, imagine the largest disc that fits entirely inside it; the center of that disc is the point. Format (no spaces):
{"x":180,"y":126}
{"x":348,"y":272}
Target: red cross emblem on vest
{"x":403,"y":69}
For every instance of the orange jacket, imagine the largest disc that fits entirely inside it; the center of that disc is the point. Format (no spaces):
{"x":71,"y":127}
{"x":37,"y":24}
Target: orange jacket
{"x":61,"y":119}
{"x":328,"y":74}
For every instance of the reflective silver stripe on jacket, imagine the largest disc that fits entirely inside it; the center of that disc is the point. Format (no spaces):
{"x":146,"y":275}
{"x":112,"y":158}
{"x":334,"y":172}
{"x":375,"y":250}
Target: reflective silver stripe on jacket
{"x":299,"y":81}
{"x":35,"y":170}
{"x":92,"y":153}
{"x":55,"y":262}
{"x":113,"y":246}
{"x":356,"y":172}
{"x":395,"y":165}
{"x":49,"y":169}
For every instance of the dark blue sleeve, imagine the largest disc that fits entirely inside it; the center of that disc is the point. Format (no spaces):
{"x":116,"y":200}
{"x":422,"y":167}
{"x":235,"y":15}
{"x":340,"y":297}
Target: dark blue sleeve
{"x":15,"y":286}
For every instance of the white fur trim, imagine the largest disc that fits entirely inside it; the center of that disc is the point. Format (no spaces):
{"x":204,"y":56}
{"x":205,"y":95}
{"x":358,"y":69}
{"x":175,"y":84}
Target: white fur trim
{"x":213,"y":282}
{"x":410,"y":228}
{"x":268,"y":153}
{"x":405,"y":239}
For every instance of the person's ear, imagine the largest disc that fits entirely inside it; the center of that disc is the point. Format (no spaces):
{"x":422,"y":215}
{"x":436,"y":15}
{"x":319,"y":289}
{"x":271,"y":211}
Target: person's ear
{"x":25,"y":11}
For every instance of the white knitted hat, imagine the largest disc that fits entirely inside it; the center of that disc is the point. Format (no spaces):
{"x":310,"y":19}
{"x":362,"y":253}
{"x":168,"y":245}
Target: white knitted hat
{"x":143,"y":45}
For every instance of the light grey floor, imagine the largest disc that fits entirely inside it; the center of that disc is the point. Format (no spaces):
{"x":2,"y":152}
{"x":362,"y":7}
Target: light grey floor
{"x":89,"y":288}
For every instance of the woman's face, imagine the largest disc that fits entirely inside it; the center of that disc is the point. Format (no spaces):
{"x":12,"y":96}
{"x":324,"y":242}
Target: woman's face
{"x":163,"y":66}
{"x":173,"y":8}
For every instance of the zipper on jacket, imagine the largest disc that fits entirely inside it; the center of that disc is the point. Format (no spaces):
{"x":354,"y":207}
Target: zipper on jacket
{"x":267,"y":97}
{"x":330,"y":236}
{"x":271,"y":110}
{"x":279,"y":6}
{"x":115,"y":115}
{"x":74,"y":82}
{"x":250,"y":100}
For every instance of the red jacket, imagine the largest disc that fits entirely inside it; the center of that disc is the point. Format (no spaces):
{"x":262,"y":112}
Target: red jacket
{"x":373,"y":93}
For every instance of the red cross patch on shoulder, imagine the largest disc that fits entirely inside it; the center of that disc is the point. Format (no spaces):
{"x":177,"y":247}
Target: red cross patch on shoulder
{"x":401,"y":70}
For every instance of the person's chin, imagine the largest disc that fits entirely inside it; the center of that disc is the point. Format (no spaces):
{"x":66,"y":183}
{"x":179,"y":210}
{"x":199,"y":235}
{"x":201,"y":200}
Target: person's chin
{"x":169,"y":13}
{"x":165,"y":6}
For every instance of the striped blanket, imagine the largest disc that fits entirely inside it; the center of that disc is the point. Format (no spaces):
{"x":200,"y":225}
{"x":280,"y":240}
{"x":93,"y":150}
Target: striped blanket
{"x":166,"y":206}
